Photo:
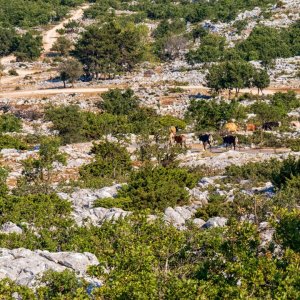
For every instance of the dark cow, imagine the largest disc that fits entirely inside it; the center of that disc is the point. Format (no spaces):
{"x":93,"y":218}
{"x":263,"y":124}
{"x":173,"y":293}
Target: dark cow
{"x":206,"y":139}
{"x":270,"y":125}
{"x":229,"y":140}
{"x":180,"y":139}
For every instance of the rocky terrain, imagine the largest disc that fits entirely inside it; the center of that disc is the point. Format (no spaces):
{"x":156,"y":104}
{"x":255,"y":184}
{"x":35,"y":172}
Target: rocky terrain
{"x":170,"y":88}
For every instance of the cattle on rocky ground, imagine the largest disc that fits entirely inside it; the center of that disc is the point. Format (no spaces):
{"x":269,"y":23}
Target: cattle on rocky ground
{"x":206,"y":139}
{"x":230,"y":140}
{"x":180,"y":139}
{"x":271,"y":125}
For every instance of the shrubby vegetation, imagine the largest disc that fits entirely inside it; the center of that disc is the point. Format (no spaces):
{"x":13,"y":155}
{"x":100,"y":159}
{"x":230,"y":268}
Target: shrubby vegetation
{"x":210,"y":114}
{"x":236,"y":75}
{"x":157,"y":188}
{"x":32,"y":13}
{"x":10,"y":123}
{"x":111,"y":48}
{"x":112,"y":162}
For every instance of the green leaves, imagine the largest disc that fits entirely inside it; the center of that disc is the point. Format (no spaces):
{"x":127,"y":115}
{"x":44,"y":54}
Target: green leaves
{"x":157,"y":188}
{"x":119,"y":102}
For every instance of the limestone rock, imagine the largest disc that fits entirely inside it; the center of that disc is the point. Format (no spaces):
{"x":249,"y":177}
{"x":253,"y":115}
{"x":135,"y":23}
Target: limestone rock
{"x":10,"y":227}
{"x":215,"y":222}
{"x":25,"y":266}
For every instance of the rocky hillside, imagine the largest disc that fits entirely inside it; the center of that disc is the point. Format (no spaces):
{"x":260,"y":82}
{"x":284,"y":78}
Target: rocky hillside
{"x":149,"y":149}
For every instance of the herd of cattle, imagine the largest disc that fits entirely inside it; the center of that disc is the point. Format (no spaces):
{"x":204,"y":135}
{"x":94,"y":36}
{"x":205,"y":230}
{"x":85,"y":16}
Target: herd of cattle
{"x":228,"y":136}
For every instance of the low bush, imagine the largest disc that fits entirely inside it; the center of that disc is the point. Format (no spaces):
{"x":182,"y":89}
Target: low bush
{"x":112,"y":162}
{"x":289,"y":168}
{"x":10,"y":142}
{"x":10,"y":123}
{"x":157,"y":188}
{"x":254,"y":171}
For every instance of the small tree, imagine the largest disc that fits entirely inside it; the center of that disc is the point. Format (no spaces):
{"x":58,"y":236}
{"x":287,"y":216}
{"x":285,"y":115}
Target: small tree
{"x":62,"y":46}
{"x":119,"y":102}
{"x":37,"y":172}
{"x":261,"y":80}
{"x":29,"y":47}
{"x":70,"y":70}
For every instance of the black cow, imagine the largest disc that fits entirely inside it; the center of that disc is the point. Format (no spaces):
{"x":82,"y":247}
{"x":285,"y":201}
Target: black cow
{"x":206,"y":139}
{"x":229,"y":140}
{"x":270,"y":125}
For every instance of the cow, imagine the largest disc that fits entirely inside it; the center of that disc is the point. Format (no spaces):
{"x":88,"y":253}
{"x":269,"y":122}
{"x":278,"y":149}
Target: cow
{"x":206,"y":139}
{"x":295,"y":125}
{"x":172,"y":134}
{"x":180,"y":139}
{"x":229,"y":140}
{"x":230,"y":127}
{"x":270,"y":125}
{"x":250,"y":127}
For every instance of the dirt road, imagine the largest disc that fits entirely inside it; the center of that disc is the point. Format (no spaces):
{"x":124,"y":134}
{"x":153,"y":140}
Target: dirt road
{"x":95,"y":90}
{"x":50,"y":36}
{"x":45,"y":92}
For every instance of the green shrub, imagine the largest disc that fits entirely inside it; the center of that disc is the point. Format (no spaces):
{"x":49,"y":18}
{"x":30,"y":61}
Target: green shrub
{"x":158,"y":187}
{"x":41,"y":210}
{"x":254,"y":171}
{"x":210,"y":114}
{"x":113,"y":202}
{"x":287,"y":226}
{"x":68,"y":121}
{"x":289,"y":168}
{"x":112,"y":161}
{"x":62,"y":285}
{"x":10,"y":123}
{"x":9,"y":142}
{"x":119,"y":102}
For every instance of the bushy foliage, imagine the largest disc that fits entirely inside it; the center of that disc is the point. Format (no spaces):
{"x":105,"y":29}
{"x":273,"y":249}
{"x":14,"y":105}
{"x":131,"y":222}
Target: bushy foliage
{"x":211,"y":49}
{"x":10,"y":123}
{"x":210,"y":114}
{"x":32,"y":13}
{"x":157,"y":188}
{"x":112,"y":161}
{"x":62,"y":285}
{"x":254,"y":171}
{"x":287,"y":229}
{"x":236,"y":74}
{"x":290,"y":168}
{"x":67,"y":121}
{"x":10,"y":142}
{"x":119,"y":102}
{"x":29,"y":47}
{"x":111,"y":49}
{"x":42,"y":211}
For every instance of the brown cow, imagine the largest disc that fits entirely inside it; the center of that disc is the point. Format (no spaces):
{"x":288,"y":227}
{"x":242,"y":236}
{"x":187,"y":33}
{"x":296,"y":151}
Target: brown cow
{"x":180,"y":139}
{"x":250,"y":127}
{"x":230,"y":127}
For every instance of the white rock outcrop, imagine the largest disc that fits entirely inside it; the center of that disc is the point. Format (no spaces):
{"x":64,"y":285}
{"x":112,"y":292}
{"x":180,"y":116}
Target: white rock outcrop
{"x":25,"y":266}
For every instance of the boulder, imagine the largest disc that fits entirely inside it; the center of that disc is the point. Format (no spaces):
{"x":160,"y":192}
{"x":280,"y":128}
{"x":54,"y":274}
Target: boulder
{"x":198,"y":222}
{"x":25,"y":266}
{"x":215,"y":222}
{"x":10,"y":227}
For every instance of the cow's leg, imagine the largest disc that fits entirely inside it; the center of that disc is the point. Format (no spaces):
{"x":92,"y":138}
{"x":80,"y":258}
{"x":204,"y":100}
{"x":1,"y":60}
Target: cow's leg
{"x":204,"y":146}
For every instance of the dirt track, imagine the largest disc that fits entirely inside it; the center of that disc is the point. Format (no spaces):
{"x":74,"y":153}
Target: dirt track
{"x":49,"y":38}
{"x":51,"y":35}
{"x":95,"y":90}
